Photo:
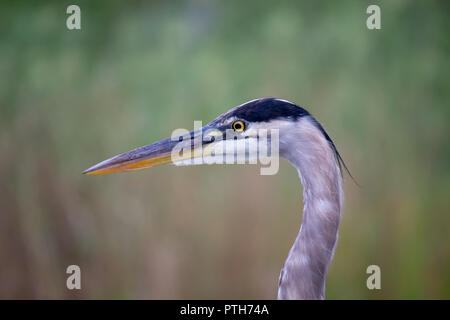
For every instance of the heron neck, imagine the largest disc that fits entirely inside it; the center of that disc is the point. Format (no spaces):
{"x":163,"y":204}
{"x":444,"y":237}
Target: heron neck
{"x":304,"y":272}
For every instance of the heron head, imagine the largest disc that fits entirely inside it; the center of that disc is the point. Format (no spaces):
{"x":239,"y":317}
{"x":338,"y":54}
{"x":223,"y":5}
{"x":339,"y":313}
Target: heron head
{"x":230,"y":134}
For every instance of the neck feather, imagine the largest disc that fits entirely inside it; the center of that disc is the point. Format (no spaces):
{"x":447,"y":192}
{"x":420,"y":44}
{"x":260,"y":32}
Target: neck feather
{"x":304,"y":272}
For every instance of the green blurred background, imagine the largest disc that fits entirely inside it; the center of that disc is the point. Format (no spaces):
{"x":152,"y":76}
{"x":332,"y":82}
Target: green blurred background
{"x":137,"y":70}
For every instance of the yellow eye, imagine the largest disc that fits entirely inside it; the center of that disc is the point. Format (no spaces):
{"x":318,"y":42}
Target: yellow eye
{"x":238,"y":126}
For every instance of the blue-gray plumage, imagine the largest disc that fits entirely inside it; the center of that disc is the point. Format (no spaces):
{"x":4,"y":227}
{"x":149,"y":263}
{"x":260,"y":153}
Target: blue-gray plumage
{"x":307,"y":146}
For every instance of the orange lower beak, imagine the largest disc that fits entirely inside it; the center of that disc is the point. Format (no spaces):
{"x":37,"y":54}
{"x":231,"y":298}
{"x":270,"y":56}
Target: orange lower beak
{"x":154,"y":154}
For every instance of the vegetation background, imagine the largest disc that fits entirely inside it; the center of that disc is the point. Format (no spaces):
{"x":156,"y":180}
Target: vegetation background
{"x":137,"y":70}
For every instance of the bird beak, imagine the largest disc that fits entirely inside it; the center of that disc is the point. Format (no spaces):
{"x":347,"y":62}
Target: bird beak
{"x":160,"y":152}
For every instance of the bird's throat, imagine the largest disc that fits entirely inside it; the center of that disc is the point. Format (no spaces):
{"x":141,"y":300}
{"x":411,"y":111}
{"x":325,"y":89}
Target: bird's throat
{"x":304,"y":272}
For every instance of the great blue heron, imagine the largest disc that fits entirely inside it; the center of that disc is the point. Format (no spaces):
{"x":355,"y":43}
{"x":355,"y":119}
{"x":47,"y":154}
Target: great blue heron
{"x":304,"y":143}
